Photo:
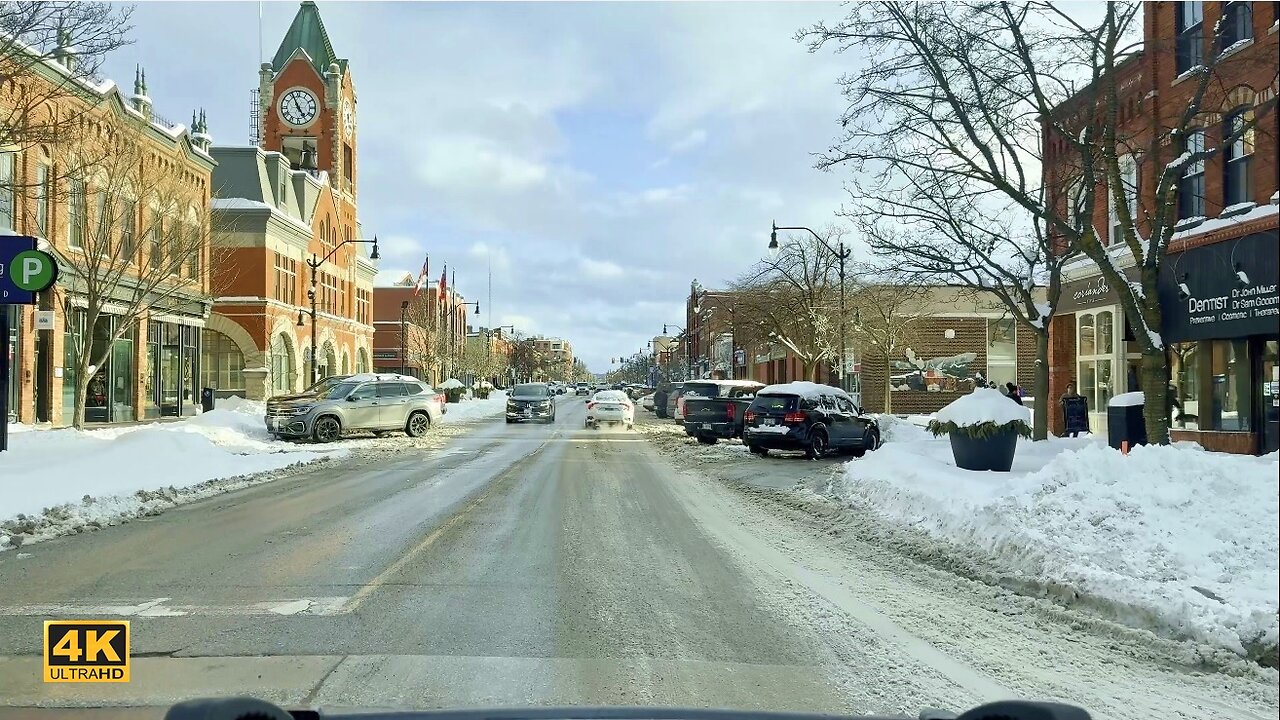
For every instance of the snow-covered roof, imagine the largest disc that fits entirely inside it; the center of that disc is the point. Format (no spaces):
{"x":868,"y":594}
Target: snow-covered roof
{"x":803,"y":389}
{"x":983,"y":405}
{"x":731,"y":383}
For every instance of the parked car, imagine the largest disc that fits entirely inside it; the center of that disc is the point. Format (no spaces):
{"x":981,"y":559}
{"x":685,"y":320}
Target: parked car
{"x":610,"y":406}
{"x":531,"y":401}
{"x":582,"y":389}
{"x":364,"y":402}
{"x":710,"y":418}
{"x":666,"y":405}
{"x":810,"y":417}
{"x":704,"y":388}
{"x":646,"y":402}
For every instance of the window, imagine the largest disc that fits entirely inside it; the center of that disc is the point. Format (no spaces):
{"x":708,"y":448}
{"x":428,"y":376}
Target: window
{"x":1190,"y":27}
{"x":194,"y":250}
{"x":365,"y":392}
{"x":1095,"y":343}
{"x":43,"y":191}
{"x":128,"y":226}
{"x":155,"y":241}
{"x":286,"y":281}
{"x":1191,"y":186}
{"x":391,"y":390}
{"x":348,"y":164}
{"x":222,"y":363}
{"x":1184,"y":369}
{"x":281,"y":364}
{"x":1001,"y":351}
{"x":7,"y":219}
{"x":75,"y":213}
{"x":102,"y":226}
{"x":1229,"y":376}
{"x":1237,"y":23}
{"x":1128,"y":166}
{"x":1236,"y":154}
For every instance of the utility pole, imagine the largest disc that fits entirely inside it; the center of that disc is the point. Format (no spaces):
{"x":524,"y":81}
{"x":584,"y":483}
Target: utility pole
{"x":404,"y":340}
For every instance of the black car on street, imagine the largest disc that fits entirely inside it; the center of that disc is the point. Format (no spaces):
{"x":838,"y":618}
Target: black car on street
{"x":809,"y":417}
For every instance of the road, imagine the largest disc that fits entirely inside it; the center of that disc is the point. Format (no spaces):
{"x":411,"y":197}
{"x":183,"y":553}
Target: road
{"x":549,"y":564}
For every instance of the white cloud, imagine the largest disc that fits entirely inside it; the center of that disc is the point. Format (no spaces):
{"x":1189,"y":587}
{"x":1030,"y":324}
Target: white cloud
{"x":600,"y":269}
{"x":474,"y":162}
{"x":696,"y":137}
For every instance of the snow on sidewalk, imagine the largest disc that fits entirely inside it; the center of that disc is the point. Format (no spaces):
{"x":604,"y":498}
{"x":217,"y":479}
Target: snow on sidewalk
{"x":1174,"y":538}
{"x":61,"y":479}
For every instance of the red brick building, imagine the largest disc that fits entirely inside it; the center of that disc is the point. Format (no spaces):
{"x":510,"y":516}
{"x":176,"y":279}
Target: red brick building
{"x":1218,"y":285}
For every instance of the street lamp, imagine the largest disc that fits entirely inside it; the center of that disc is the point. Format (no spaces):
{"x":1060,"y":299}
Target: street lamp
{"x":688,"y":357}
{"x":404,"y":340}
{"x":843,"y":254}
{"x":315,"y":264}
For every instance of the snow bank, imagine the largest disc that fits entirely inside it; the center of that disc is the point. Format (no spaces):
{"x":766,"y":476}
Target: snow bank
{"x":983,"y":405}
{"x":116,"y":467}
{"x":468,"y":410}
{"x":1172,"y":538}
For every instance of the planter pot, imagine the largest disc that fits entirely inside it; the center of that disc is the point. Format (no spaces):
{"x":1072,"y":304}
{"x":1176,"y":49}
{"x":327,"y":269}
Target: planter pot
{"x":990,"y":453}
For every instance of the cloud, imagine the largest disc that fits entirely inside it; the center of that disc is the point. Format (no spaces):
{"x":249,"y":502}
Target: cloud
{"x":696,"y":137}
{"x":600,"y":269}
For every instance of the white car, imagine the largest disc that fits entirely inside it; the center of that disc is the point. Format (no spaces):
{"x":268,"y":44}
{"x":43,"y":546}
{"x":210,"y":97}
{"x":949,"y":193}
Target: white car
{"x":610,"y":406}
{"x":646,"y":402}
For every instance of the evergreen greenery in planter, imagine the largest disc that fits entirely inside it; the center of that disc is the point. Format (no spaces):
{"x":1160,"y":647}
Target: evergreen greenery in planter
{"x":984,"y":427}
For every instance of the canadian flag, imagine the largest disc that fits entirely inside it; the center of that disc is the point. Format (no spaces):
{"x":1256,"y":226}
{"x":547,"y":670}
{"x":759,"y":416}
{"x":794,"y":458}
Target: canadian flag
{"x":417,"y":286}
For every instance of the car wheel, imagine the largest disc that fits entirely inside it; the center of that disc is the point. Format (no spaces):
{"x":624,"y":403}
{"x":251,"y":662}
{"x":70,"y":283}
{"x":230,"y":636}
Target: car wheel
{"x":871,"y":441}
{"x":757,"y":450}
{"x":707,"y":439}
{"x":418,"y":424}
{"x":327,"y":429}
{"x":509,"y":421}
{"x":817,"y":445}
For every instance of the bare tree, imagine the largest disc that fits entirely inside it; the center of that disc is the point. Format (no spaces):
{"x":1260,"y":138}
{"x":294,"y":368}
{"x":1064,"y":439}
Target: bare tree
{"x":889,"y":314}
{"x":138,"y":244}
{"x":949,"y":126}
{"x":50,"y":51}
{"x":790,"y":299}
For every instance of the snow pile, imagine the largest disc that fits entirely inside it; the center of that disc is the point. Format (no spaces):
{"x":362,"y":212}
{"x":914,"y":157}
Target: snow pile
{"x":902,"y":429}
{"x":115,"y":468}
{"x":983,"y":405}
{"x":1171,"y":538}
{"x":468,"y":410}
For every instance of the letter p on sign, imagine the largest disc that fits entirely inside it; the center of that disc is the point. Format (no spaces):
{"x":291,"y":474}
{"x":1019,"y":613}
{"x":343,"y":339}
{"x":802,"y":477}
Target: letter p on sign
{"x":33,"y":270}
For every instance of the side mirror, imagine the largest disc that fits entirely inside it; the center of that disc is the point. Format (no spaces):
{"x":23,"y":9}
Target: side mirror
{"x":352,"y":398}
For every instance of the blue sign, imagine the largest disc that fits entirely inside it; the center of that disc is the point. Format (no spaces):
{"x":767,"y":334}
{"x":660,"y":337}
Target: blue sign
{"x":10,"y":247}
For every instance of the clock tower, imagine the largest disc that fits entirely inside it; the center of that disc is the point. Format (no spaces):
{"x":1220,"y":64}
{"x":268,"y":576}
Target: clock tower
{"x":308,"y":107}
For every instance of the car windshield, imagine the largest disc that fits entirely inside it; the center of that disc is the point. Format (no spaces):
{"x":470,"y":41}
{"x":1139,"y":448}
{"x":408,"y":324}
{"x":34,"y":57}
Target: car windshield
{"x":810,"y":357}
{"x":535,"y":390}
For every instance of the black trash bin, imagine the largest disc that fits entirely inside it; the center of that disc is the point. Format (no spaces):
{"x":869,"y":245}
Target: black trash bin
{"x":1125,"y":423}
{"x":206,"y":399}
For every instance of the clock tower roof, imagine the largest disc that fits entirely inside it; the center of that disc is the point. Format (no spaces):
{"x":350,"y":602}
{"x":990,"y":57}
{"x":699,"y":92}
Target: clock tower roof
{"x":307,"y":33}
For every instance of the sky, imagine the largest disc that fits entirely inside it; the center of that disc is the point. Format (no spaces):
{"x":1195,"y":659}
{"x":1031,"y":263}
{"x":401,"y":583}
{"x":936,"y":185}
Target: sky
{"x":599,"y":157}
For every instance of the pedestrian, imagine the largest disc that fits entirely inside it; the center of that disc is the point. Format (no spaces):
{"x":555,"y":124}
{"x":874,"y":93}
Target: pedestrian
{"x":1075,"y":411}
{"x":1013,"y":392}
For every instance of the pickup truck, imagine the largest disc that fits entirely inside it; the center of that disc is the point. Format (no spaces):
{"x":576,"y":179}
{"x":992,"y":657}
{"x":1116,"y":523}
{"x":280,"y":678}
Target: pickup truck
{"x":714,"y":409}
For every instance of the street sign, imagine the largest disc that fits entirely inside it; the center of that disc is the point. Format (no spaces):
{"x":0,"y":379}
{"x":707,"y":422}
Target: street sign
{"x":24,"y":270}
{"x":44,"y":319}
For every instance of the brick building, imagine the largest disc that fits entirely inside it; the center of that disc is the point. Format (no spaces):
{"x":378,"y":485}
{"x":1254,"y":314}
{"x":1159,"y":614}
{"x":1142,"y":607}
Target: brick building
{"x":434,"y":329}
{"x":118,"y":214}
{"x":1218,"y":285}
{"x":949,"y":340}
{"x":278,"y":206}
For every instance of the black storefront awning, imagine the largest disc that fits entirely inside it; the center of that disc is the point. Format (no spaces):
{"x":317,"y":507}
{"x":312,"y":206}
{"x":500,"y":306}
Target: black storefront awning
{"x":1225,"y":290}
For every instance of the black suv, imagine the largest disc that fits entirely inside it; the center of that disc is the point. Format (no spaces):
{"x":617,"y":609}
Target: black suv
{"x":810,"y":417}
{"x":531,"y":401}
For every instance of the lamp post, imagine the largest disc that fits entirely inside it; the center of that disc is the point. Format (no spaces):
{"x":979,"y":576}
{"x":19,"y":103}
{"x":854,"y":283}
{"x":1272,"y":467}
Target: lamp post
{"x":404,"y":340}
{"x":315,"y":264}
{"x":842,"y":255}
{"x":688,"y":357}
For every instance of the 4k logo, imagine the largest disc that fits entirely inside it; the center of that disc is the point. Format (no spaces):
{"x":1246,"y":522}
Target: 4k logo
{"x":86,"y":651}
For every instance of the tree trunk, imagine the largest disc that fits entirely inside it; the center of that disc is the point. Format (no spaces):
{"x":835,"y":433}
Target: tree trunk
{"x":888,"y":386}
{"x":813,"y":371}
{"x":1040,"y":419}
{"x":1153,"y":379}
{"x":82,"y":396}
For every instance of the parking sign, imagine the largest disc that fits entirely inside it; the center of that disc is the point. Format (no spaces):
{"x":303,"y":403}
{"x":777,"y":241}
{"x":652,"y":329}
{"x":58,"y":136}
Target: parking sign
{"x":24,"y":270}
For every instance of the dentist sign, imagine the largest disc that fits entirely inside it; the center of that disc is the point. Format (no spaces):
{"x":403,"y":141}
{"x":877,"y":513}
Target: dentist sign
{"x":24,"y":270}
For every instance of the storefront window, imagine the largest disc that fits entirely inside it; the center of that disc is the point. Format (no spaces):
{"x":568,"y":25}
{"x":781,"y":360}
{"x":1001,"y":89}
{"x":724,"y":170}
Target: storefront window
{"x":1086,"y":343}
{"x":1002,"y":352}
{"x":15,"y":346}
{"x":190,"y":340}
{"x":1184,"y":369}
{"x":122,"y":378}
{"x":222,"y":363}
{"x":1230,"y":381}
{"x":1096,"y":343}
{"x":72,"y":338}
{"x":281,"y":365}
{"x":151,"y":397}
{"x":1106,"y":333}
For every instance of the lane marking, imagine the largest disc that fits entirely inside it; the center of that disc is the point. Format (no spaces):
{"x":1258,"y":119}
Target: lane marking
{"x":163,"y":607}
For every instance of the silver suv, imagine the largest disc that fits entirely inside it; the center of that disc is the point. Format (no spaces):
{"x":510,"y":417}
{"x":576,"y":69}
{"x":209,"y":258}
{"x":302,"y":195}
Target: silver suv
{"x":359,"y":403}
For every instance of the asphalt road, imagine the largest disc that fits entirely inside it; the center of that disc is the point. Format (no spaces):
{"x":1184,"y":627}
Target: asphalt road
{"x":521,"y":564}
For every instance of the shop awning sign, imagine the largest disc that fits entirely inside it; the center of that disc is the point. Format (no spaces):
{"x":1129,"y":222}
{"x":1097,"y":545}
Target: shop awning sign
{"x":24,"y":270}
{"x":1226,"y":290}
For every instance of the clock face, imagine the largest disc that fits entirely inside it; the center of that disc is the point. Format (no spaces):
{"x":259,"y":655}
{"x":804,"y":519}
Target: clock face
{"x":298,"y":107}
{"x":348,"y":118}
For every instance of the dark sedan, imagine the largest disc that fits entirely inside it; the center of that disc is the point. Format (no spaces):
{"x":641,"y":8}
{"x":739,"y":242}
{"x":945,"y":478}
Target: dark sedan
{"x":809,"y":417}
{"x":531,"y":401}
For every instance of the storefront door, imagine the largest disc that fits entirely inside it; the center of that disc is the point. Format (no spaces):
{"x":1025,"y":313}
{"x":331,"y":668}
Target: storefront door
{"x":1268,"y":383}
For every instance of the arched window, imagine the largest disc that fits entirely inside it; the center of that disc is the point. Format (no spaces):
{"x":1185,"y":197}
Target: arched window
{"x":221,"y":362}
{"x":283,"y":369}
{"x":362,"y":361}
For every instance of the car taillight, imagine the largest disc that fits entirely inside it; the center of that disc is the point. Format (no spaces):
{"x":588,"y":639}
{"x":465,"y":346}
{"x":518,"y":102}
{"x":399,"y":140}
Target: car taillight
{"x":590,"y":405}
{"x":748,"y":416}
{"x":793,"y":417}
{"x":728,"y":409}
{"x":440,"y":398}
